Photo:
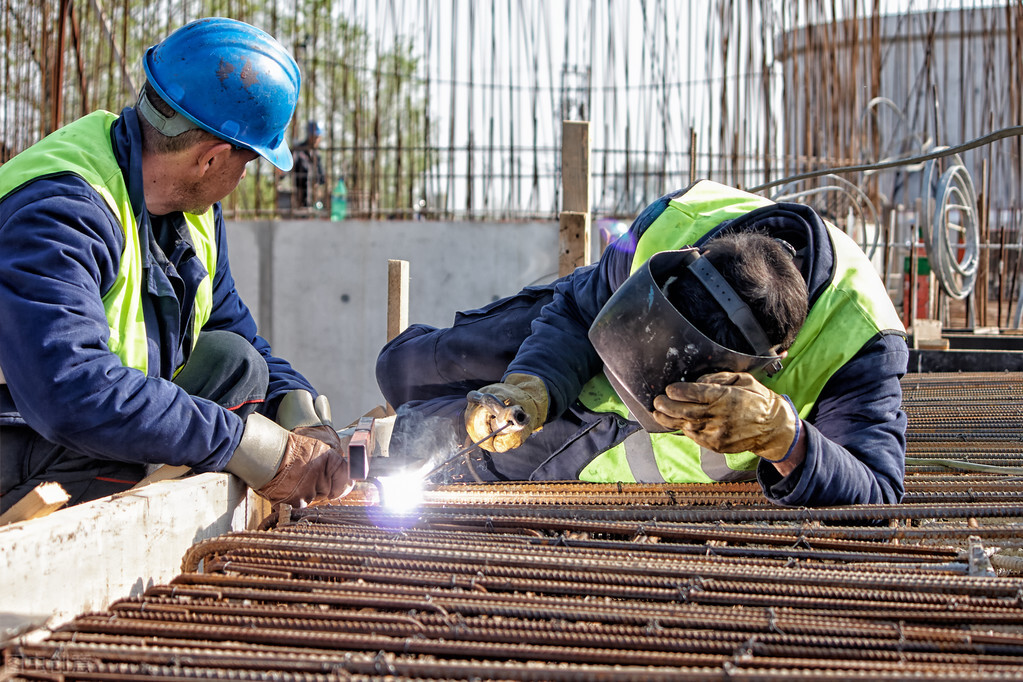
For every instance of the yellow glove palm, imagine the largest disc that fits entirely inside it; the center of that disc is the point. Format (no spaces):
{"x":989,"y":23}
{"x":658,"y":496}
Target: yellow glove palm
{"x":730,"y":412}
{"x":522,"y":390}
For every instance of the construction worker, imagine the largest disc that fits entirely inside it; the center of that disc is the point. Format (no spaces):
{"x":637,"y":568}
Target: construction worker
{"x":124,"y":344}
{"x":771,"y":349}
{"x":308,"y":170}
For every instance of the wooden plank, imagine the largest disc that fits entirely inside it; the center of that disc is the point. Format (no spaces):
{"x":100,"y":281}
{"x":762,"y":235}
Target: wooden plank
{"x":574,"y":234}
{"x":44,"y":499}
{"x":575,"y":166}
{"x":164,"y":473}
{"x":397,"y":297}
{"x":574,"y":238}
{"x":84,"y":557}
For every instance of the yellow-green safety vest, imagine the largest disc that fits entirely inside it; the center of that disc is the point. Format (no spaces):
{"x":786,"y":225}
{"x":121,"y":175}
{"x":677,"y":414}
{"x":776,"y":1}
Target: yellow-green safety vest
{"x":853,"y":309}
{"x":83,"y":148}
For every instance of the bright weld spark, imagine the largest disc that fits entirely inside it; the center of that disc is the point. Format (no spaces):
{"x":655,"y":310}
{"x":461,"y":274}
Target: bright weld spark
{"x":401,"y":492}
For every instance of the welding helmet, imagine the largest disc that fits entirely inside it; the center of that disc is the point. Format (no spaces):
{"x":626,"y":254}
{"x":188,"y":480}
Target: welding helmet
{"x":646,"y":343}
{"x":229,"y":78}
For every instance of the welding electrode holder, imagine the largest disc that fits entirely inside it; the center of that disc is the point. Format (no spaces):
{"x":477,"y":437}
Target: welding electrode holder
{"x":360,"y":447}
{"x":507,"y":416}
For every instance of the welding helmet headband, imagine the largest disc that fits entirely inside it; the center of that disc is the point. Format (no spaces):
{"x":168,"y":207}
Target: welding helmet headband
{"x":646,"y":343}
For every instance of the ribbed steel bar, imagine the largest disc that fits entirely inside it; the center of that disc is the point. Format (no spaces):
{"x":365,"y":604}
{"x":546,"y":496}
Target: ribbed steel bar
{"x":763,"y":513}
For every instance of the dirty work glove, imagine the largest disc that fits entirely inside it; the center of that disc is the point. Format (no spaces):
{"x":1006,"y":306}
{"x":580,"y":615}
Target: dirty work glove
{"x":730,"y":412}
{"x":524,"y":390}
{"x":285,"y":466}
{"x":298,"y":412}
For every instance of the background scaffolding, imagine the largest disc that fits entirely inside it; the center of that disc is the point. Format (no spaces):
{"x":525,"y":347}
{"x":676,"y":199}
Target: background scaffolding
{"x":452,"y":110}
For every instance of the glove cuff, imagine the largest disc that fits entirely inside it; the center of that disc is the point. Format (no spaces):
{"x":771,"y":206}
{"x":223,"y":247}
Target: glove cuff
{"x":260,"y":451}
{"x":322,"y":407}
{"x":297,"y":409}
{"x":795,"y":435}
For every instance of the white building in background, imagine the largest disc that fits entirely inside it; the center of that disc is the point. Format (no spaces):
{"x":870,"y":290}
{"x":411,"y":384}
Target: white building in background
{"x":868,"y":89}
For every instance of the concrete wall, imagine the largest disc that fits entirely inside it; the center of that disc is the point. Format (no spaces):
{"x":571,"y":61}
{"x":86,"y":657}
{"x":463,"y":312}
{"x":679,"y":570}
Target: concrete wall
{"x":318,"y":289}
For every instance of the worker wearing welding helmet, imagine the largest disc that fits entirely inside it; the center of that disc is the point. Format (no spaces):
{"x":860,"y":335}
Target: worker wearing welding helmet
{"x":723,"y":337}
{"x":124,"y":344}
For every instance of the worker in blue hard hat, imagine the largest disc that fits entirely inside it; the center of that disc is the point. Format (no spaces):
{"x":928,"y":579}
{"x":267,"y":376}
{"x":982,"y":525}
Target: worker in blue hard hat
{"x":723,"y":337}
{"x":310,"y":181}
{"x":124,"y":344}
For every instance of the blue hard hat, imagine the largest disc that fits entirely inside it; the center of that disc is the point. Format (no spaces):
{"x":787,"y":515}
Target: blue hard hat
{"x":232,"y":79}
{"x":313,"y":128}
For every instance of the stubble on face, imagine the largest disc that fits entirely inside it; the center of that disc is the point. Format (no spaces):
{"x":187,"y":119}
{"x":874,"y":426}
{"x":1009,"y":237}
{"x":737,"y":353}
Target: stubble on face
{"x":198,"y":196}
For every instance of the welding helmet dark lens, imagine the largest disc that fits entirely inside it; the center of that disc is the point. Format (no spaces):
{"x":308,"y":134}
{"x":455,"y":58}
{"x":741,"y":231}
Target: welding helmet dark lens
{"x":646,"y":343}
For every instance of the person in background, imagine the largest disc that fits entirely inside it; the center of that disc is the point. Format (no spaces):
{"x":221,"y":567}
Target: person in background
{"x":723,"y":337}
{"x":307,"y":174}
{"x":124,"y":344}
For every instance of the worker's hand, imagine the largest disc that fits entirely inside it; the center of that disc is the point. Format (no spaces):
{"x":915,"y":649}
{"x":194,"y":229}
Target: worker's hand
{"x":298,"y":412}
{"x":522,"y":390}
{"x":285,"y":466}
{"x":730,"y":412}
{"x":311,"y":471}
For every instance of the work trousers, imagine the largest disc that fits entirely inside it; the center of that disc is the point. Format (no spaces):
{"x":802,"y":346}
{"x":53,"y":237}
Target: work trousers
{"x":223,"y":368}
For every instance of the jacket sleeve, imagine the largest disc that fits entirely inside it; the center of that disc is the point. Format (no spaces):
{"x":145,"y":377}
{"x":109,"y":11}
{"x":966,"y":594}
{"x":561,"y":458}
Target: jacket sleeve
{"x":231,"y":314}
{"x":856,"y":436}
{"x":60,"y":248}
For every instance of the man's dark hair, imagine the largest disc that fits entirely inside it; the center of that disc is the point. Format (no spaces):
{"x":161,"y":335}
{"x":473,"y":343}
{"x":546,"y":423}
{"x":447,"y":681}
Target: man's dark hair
{"x":763,"y":274}
{"x":155,"y":142}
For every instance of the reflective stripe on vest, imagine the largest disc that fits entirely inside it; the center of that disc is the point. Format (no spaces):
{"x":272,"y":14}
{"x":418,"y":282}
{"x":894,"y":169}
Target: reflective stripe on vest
{"x":853,"y":309}
{"x":83,"y":148}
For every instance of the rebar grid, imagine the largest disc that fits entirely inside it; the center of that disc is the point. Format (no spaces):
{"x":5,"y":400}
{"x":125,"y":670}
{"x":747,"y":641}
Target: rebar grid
{"x":575,"y":581}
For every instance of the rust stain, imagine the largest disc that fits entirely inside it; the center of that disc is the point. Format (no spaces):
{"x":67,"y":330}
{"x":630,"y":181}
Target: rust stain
{"x":249,"y":75}
{"x":224,"y":70}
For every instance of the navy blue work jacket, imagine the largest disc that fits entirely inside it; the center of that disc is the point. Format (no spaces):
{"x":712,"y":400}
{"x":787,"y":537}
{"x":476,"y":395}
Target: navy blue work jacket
{"x":60,"y":246}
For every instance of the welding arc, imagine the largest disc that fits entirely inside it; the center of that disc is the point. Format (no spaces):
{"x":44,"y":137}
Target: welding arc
{"x":466,"y":450}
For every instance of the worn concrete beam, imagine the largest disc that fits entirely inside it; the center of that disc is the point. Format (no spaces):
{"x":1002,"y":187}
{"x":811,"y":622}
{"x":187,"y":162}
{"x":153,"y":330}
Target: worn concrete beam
{"x":84,"y":557}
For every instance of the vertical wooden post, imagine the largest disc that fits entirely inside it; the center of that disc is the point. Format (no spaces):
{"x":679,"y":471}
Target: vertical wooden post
{"x":397,"y":297}
{"x":574,"y":234}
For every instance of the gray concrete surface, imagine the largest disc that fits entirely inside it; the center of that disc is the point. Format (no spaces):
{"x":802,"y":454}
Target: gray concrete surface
{"x":318,"y":289}
{"x":82,"y":558}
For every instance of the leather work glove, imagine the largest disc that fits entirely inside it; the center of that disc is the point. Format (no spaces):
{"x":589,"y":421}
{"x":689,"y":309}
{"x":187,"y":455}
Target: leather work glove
{"x":522,"y":390}
{"x":298,"y":412}
{"x":286,"y":466}
{"x":730,"y":412}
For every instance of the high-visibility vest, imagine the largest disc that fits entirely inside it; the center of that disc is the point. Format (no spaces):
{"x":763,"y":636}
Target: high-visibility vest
{"x":852,"y":310}
{"x":83,"y":148}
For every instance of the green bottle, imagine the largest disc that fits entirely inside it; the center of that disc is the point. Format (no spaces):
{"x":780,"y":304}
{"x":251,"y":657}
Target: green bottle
{"x":339,"y":201}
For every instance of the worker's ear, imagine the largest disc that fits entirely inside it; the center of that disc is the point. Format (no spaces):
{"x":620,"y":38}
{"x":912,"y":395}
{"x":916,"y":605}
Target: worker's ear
{"x":211,"y":153}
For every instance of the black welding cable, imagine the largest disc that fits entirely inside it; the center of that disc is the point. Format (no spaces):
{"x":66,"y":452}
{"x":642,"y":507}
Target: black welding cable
{"x":937,"y":153}
{"x":963,"y":465}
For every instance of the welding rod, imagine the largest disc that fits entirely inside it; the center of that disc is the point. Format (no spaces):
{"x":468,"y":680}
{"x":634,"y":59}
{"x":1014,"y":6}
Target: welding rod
{"x":465,"y":450}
